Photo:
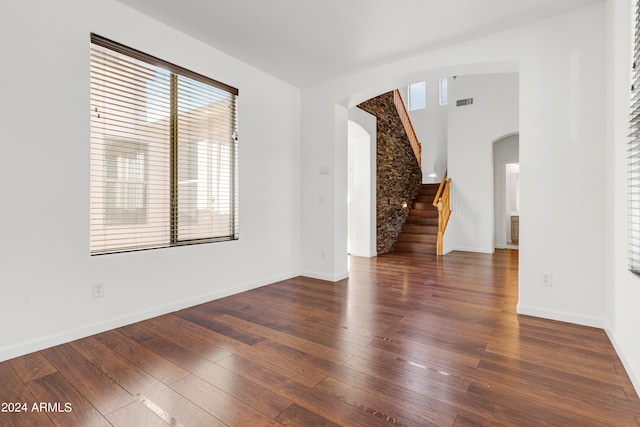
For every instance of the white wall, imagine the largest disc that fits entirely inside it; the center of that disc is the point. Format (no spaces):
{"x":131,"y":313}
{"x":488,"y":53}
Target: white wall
{"x":362,"y":183}
{"x":623,"y":287}
{"x":430,"y":125}
{"x":472,"y":130}
{"x":323,"y":199}
{"x":560,"y":61}
{"x":46,"y":271}
{"x":562,"y":132}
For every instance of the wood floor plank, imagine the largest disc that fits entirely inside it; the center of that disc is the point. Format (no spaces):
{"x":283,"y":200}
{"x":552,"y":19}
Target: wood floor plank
{"x":137,"y":333}
{"x":89,"y":347}
{"x":561,"y":349}
{"x":304,"y":357}
{"x":433,"y":410}
{"x":466,"y":419}
{"x":384,"y":407}
{"x":209,"y":322}
{"x":181,"y":338}
{"x":104,"y":394}
{"x":533,"y":374}
{"x":322,"y":351}
{"x":406,"y":340}
{"x":348,"y":340}
{"x":65,"y":405}
{"x":538,"y":410}
{"x":250,"y":393}
{"x":279,"y":363}
{"x":599,"y":371}
{"x":155,"y":396}
{"x":19,"y":401}
{"x":251,"y":307}
{"x":564,"y":399}
{"x":136,"y":414}
{"x":223,"y":406}
{"x":254,"y":395}
{"x":32,"y":366}
{"x":311,"y":399}
{"x":416,"y":377}
{"x":141,"y":356}
{"x":298,"y":416}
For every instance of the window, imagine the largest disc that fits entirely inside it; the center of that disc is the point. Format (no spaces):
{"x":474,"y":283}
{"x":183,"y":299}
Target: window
{"x":634,"y":153}
{"x":163,"y":153}
{"x":125,"y":182}
{"x":444,"y":90}
{"x":417,"y":96}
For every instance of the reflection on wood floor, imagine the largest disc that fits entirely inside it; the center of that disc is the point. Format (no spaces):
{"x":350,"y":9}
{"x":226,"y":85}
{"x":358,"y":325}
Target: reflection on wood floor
{"x":406,"y":341}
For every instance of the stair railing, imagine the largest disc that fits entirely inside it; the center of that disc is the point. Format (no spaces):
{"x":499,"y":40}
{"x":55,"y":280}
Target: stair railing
{"x":408,"y":127}
{"x":442,"y":202}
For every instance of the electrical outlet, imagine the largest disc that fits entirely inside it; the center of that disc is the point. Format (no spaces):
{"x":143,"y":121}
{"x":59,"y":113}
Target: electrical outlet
{"x":546,"y":280}
{"x":97,"y":289}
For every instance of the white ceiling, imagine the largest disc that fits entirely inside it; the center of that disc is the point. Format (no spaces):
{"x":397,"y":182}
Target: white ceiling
{"x":305,"y":42}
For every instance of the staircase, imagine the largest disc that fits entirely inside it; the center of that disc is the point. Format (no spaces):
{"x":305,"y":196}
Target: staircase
{"x":419,"y":234}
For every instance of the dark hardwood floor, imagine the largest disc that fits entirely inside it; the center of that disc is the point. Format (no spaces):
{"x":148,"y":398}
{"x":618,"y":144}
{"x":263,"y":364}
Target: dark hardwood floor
{"x":406,"y":341}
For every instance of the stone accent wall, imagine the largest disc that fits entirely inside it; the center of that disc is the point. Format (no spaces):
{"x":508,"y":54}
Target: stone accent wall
{"x":399,"y":176}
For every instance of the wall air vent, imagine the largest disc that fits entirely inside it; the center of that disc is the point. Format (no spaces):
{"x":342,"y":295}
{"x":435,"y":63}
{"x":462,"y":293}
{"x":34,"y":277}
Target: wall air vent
{"x":461,"y":102}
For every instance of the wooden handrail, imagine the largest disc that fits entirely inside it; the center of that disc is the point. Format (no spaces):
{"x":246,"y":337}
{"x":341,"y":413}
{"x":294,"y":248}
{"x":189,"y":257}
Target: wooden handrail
{"x":442,"y":202}
{"x":408,"y":127}
{"x":440,"y":189}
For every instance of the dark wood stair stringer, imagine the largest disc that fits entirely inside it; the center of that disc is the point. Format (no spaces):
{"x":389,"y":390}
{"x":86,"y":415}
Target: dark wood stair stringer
{"x":419,"y":234}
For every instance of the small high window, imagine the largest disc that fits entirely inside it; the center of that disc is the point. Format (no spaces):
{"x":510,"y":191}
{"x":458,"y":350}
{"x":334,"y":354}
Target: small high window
{"x":444,"y":90}
{"x":417,"y":96}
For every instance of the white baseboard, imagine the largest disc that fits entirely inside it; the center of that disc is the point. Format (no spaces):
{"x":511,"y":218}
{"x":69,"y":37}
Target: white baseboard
{"x":446,"y":251}
{"x":364,"y":254}
{"x":560,"y":316}
{"x":26,"y":347}
{"x":327,"y":277}
{"x":634,"y":379}
{"x":477,"y":250}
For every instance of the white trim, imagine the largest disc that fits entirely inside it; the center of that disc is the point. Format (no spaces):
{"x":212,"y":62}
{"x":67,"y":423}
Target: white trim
{"x":477,"y":250}
{"x":627,"y":366}
{"x":326,"y":277}
{"x":15,"y":350}
{"x":560,"y":316}
{"x":364,"y":254}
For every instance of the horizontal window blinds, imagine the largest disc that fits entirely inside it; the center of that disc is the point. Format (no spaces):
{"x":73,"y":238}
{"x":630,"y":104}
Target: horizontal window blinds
{"x":634,"y":153}
{"x":163,"y":153}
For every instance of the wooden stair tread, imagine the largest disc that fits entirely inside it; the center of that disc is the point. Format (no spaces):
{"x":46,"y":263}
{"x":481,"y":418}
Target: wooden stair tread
{"x":423,"y":213}
{"x":417,"y":237}
{"x":415,"y":247}
{"x":419,"y":220}
{"x":420,"y":228}
{"x":419,"y":234}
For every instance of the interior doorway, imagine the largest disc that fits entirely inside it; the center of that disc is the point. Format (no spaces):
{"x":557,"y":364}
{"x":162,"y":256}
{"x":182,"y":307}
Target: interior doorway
{"x":361,"y":191}
{"x":512,"y":204}
{"x":506,"y":191}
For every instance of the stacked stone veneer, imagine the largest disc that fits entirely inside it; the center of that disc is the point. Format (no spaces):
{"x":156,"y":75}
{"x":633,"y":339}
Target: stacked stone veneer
{"x":399,"y":176}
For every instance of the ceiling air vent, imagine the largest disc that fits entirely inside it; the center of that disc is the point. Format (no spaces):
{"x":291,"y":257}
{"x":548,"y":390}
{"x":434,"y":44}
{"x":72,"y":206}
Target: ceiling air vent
{"x":461,"y":102}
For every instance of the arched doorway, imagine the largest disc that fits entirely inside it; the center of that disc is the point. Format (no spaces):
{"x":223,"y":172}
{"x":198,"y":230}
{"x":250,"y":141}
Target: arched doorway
{"x":361,"y":193}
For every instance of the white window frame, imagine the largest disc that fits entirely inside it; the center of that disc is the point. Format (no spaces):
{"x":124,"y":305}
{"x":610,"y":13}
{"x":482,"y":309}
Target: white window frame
{"x":417,"y":96}
{"x":443,"y":92}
